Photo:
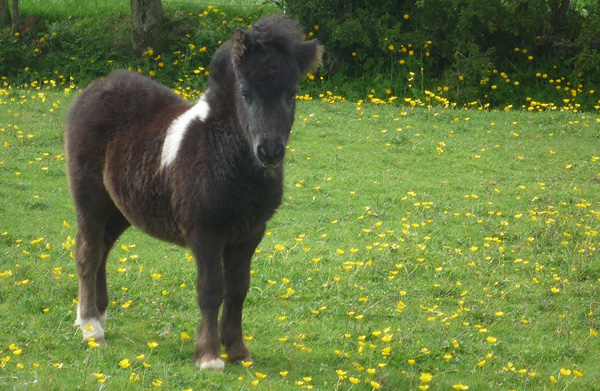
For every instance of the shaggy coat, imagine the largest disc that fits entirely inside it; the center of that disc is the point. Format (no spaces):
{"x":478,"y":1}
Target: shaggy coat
{"x":206,"y":176}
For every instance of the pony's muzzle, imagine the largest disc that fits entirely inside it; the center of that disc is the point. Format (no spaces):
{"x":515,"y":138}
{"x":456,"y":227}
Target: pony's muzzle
{"x":270,"y":153}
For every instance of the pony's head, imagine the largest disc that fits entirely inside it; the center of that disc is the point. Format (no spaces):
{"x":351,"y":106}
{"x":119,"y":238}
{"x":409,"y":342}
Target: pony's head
{"x":268,"y":61}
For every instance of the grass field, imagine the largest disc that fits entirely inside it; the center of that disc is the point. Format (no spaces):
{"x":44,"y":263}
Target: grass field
{"x":416,"y":249}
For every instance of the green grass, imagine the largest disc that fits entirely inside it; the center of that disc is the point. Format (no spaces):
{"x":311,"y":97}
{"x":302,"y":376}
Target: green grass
{"x":457,"y":243}
{"x":58,"y":8}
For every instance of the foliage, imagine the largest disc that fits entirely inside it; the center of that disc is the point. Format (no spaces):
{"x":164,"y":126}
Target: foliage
{"x":460,"y":47}
{"x":463,"y":52}
{"x":86,"y":47}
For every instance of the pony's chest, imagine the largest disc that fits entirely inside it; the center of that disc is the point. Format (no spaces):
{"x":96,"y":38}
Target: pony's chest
{"x":240,"y":205}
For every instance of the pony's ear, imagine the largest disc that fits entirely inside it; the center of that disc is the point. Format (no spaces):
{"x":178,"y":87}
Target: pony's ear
{"x":239,"y":46}
{"x":309,"y":55}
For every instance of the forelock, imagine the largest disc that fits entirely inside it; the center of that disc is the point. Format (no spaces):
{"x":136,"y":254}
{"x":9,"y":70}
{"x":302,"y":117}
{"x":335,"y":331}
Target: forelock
{"x":275,"y":31}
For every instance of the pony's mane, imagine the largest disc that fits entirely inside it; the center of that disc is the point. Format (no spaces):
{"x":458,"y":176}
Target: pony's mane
{"x":272,"y":31}
{"x":275,"y":31}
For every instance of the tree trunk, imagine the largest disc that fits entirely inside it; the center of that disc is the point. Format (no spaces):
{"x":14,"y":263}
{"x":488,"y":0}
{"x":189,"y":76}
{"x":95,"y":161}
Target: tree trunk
{"x":146,"y":16}
{"x":4,"y":15}
{"x":15,"y":17}
{"x":560,"y":13}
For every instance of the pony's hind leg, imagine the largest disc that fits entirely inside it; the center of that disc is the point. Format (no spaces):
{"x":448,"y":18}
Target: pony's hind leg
{"x":99,"y":227}
{"x":115,"y":226}
{"x":89,"y":256}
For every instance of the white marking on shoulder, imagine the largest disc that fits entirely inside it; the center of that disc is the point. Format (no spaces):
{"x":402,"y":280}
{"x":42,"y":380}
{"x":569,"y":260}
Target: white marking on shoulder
{"x":178,"y":127}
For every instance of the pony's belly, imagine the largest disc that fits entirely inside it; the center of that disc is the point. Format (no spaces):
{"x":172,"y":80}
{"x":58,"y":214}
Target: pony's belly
{"x":143,"y":198}
{"x":154,"y":219}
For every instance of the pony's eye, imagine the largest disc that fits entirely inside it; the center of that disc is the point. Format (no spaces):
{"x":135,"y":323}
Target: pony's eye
{"x":245,"y":94}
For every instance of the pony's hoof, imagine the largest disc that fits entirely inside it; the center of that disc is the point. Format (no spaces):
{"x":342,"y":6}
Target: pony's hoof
{"x":92,"y":330}
{"x":216,"y":365}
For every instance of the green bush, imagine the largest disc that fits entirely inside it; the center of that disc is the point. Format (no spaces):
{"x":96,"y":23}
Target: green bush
{"x":86,"y":47}
{"x":522,"y":53}
{"x":464,"y":50}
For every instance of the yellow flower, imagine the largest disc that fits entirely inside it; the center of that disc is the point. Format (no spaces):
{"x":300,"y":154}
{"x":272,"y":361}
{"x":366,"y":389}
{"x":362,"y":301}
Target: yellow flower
{"x":565,"y":372}
{"x":460,"y":387}
{"x":386,"y":338}
{"x":124,"y":363}
{"x":426,"y":377}
{"x":152,"y":345}
{"x":491,"y":339}
{"x":185,"y":336}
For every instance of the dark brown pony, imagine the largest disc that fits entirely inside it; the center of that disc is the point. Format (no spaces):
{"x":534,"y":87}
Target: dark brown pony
{"x":207,"y":176}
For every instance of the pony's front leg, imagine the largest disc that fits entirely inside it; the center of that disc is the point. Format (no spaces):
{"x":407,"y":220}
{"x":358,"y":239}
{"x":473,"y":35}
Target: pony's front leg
{"x":237,"y":259}
{"x":210,"y":288}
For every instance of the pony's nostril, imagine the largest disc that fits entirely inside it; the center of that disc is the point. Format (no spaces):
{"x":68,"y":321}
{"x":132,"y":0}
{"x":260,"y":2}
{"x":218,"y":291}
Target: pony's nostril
{"x":260,"y":152}
{"x":270,"y":153}
{"x":276,"y":153}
